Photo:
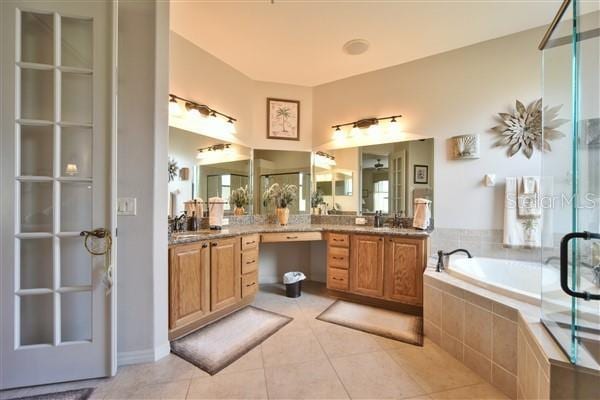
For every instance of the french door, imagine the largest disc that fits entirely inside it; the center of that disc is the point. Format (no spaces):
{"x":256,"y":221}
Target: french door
{"x":57,"y":127}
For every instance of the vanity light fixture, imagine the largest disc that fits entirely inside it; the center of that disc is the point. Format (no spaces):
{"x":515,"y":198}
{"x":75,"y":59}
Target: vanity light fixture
{"x":371,"y":124}
{"x":220,"y":147}
{"x":324,"y":160}
{"x":219,"y":122}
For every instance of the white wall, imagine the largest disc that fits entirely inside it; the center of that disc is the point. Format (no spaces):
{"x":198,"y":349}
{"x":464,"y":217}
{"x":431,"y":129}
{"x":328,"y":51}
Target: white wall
{"x":142,"y":304}
{"x":453,"y":93}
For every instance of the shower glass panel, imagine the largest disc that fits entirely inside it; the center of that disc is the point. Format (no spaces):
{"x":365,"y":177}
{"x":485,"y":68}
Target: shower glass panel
{"x":571,"y":171}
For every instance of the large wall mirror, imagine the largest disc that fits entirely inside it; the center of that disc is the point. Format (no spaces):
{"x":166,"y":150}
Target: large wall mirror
{"x":282,"y":167}
{"x":386,"y":178}
{"x":214,"y":169}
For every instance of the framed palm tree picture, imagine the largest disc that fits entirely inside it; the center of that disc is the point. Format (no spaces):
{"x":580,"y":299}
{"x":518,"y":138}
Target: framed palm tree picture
{"x":283,"y":119}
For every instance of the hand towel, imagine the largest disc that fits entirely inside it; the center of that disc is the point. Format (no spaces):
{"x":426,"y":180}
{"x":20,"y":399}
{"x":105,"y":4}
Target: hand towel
{"x":518,"y":232}
{"x":422,"y":213}
{"x":528,"y":197}
{"x":215,"y":212}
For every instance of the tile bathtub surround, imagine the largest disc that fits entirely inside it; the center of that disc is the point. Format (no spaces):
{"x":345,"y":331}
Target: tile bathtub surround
{"x":487,"y":243}
{"x":473,"y":330}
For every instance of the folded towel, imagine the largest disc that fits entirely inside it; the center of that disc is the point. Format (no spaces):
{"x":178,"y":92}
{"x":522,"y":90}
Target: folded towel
{"x":528,"y":197}
{"x":422,"y":213}
{"x":527,"y":231}
{"x":215,"y":211}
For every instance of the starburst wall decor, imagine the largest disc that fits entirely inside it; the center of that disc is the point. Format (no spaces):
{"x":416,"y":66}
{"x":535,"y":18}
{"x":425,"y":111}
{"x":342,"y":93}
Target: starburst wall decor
{"x":522,"y":130}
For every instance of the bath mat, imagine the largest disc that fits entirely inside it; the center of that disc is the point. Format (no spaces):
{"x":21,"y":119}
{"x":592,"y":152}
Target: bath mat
{"x":219,"y":344}
{"x":389,"y":324}
{"x":78,"y":394}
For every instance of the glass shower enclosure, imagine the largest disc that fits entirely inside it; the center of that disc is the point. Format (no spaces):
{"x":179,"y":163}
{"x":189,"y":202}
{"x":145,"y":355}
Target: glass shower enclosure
{"x":571,"y":172}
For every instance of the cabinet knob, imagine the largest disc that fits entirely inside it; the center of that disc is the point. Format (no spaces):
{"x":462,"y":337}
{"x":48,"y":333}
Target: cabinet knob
{"x":204,"y":245}
{"x":213,"y":244}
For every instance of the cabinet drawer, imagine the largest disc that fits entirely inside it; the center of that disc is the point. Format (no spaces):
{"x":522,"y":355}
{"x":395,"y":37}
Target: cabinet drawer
{"x":339,"y":240}
{"x":338,"y":257}
{"x":249,"y":261}
{"x":290,"y":237}
{"x":337,"y":279}
{"x":249,"y":242}
{"x":249,"y":283}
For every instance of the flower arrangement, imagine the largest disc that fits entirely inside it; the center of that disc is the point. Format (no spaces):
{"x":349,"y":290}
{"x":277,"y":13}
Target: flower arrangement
{"x":240,"y":197}
{"x":280,"y":195}
{"x":316,"y":199}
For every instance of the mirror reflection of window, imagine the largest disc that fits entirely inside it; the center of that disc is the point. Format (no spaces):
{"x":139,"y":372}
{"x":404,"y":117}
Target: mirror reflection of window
{"x":380,"y":196}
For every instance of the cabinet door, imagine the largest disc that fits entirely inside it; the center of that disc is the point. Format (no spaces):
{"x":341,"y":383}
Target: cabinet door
{"x":189,"y":284}
{"x":367,"y":265}
{"x":225,"y":289}
{"x":404,"y":270}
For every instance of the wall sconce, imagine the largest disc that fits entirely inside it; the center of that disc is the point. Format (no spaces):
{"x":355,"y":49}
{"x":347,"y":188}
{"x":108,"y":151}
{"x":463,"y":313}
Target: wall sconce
{"x":370,"y":124}
{"x":215,"y":121}
{"x":184,"y":173}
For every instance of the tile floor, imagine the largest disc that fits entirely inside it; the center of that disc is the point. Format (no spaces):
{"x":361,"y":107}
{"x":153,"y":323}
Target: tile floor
{"x":306,"y":359}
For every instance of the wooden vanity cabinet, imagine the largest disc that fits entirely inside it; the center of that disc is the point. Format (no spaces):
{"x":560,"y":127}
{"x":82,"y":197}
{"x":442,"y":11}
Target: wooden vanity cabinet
{"x":338,"y":261}
{"x":189,"y":283}
{"x":404,"y":265}
{"x":249,"y":268}
{"x":225,"y":284}
{"x":366,"y":265}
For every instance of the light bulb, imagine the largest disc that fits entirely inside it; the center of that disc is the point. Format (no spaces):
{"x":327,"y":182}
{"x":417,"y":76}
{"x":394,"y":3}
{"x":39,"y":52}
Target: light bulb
{"x":194,"y":113}
{"x":338,"y":133}
{"x":174,"y":107}
{"x":71,"y":169}
{"x":374,"y":130}
{"x":231,"y":127}
{"x":355,"y":132}
{"x":394,"y":126}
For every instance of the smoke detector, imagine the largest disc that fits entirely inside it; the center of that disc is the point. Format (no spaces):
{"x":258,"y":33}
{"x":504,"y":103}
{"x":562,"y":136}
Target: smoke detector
{"x":356,"y":46}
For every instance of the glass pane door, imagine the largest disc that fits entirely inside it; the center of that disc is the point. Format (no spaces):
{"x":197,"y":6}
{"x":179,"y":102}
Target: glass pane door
{"x":571,"y":170}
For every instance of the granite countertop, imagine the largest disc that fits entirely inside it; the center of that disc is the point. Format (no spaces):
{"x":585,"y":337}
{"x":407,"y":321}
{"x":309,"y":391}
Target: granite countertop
{"x":235,"y":230}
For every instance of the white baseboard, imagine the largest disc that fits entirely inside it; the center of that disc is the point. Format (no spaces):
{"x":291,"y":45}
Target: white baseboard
{"x":143,"y":356}
{"x":135,"y":357}
{"x":162,"y":351}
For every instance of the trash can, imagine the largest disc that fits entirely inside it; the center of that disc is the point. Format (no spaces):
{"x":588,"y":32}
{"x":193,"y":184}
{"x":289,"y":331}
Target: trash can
{"x":293,"y":283}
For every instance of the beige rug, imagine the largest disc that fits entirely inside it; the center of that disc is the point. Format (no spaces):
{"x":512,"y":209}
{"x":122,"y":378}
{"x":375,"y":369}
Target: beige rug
{"x":390,"y":324}
{"x":217,"y":345}
{"x":77,"y":394}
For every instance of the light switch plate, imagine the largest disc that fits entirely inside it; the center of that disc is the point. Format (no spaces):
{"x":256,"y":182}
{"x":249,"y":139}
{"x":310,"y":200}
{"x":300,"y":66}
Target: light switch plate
{"x":126,"y":206}
{"x":360,"y":221}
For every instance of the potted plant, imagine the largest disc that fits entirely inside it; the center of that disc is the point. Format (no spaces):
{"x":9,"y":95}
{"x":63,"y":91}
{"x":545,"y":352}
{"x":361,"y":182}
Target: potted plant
{"x":316,"y":200}
{"x":281,"y":196}
{"x":239,"y":198}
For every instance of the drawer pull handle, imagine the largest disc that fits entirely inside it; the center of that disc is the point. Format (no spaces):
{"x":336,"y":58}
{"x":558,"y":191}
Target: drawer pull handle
{"x":214,"y":244}
{"x":291,"y":237}
{"x":337,"y":258}
{"x":251,"y":284}
{"x":252,"y":242}
{"x":338,"y":240}
{"x":250,"y":262}
{"x":337,"y":279}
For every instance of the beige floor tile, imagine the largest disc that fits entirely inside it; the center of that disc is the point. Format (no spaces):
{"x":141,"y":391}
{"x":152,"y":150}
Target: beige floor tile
{"x":248,"y":362}
{"x":433,"y":368}
{"x":291,"y":345}
{"x":338,"y":340}
{"x":374,"y":375}
{"x":237,"y":385}
{"x":310,"y":380}
{"x":168,"y":369}
{"x":388,"y":344}
{"x":482,"y":391}
{"x":173,"y":390}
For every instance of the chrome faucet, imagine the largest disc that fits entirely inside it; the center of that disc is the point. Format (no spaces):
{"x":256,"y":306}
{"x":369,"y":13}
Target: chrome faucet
{"x":444,"y":258}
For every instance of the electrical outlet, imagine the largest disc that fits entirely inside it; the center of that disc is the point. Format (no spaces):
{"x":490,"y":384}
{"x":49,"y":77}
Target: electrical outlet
{"x":126,"y":206}
{"x":360,"y":221}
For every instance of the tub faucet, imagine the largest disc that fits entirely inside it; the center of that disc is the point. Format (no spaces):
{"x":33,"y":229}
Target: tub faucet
{"x":444,"y":258}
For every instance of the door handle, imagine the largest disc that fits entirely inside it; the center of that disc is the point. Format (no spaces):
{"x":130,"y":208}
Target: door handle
{"x":564,"y":264}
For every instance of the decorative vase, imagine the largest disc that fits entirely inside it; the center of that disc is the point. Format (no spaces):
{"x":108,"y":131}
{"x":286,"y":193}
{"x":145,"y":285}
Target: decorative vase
{"x":238,"y":211}
{"x":283,"y":214}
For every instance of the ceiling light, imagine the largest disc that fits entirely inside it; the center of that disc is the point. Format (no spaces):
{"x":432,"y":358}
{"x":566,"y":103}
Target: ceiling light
{"x":355,"y":47}
{"x":378,"y":165}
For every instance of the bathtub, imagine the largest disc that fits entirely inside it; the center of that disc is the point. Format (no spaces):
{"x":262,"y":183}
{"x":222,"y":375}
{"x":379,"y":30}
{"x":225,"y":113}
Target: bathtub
{"x":520,"y":280}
